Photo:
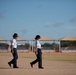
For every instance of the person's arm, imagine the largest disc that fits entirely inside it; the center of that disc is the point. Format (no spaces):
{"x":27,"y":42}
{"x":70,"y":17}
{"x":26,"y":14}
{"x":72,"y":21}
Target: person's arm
{"x":12,"y":46}
{"x":12,"y":49}
{"x":36,"y":50}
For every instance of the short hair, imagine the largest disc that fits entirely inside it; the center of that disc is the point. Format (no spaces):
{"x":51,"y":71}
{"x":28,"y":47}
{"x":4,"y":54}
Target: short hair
{"x":37,"y":37}
{"x":15,"y":35}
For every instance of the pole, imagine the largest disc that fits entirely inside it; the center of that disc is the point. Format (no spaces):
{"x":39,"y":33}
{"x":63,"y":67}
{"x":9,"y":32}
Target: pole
{"x":59,"y":46}
{"x":32,"y":45}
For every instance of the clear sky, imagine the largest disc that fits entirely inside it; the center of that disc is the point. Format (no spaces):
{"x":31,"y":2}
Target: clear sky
{"x":51,"y":18}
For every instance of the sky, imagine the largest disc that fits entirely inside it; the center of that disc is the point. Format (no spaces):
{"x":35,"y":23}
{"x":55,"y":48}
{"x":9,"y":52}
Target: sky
{"x":28,"y":18}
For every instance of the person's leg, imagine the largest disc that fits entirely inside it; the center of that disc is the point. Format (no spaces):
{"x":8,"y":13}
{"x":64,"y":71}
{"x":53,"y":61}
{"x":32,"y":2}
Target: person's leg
{"x":12,"y":61}
{"x":34,"y":62}
{"x":15,"y":58}
{"x":40,"y":58}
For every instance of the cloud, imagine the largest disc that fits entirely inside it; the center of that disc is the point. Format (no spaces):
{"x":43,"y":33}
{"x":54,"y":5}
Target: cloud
{"x":71,"y":27}
{"x":39,"y":6}
{"x":23,"y":31}
{"x":57,"y":24}
{"x":2,"y":14}
{"x":54,"y":25}
{"x":47,"y":25}
{"x":72,"y":19}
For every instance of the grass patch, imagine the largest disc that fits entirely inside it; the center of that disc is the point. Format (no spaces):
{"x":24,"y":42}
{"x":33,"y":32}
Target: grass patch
{"x":69,"y":57}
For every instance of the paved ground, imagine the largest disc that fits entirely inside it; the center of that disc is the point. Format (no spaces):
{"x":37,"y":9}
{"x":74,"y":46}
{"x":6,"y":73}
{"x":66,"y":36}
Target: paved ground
{"x":51,"y":67}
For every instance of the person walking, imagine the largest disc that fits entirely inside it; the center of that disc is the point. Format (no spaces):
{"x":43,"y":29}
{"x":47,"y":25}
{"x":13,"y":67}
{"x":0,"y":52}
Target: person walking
{"x":38,"y":53}
{"x":14,"y":51}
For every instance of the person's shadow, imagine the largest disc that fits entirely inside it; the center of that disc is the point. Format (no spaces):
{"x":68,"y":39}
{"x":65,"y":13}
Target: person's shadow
{"x":13,"y":68}
{"x":5,"y":68}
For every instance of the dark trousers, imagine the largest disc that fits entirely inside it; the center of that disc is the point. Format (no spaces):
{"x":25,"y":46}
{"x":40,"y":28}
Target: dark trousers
{"x":15,"y":57}
{"x":39,"y":59}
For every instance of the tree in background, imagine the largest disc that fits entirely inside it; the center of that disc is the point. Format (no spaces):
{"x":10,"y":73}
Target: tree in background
{"x":27,"y":45}
{"x":52,"y":46}
{"x":24,"y":46}
{"x":4,"y":46}
{"x":68,"y":43}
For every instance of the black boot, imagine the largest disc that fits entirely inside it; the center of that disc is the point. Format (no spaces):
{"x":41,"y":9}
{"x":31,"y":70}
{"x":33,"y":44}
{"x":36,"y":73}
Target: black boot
{"x":15,"y":66}
{"x":9,"y":64}
{"x":31,"y":65}
{"x":41,"y":67}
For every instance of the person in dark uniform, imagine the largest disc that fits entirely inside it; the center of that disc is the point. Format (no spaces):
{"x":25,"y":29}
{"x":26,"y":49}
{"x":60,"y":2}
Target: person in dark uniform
{"x":38,"y":53}
{"x":14,"y":51}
